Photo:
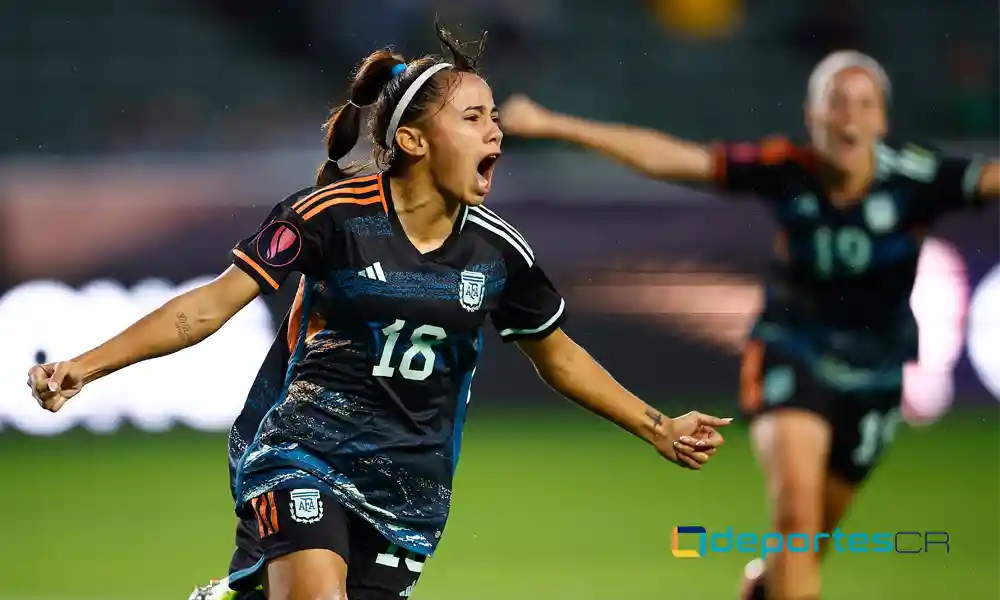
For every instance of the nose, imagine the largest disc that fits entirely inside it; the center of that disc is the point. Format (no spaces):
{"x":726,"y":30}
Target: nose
{"x":853,"y":112}
{"x":495,"y":135}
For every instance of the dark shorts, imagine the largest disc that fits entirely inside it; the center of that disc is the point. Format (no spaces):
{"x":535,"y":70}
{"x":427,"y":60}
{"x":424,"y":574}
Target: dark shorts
{"x":285,"y":521}
{"x":863,"y":423}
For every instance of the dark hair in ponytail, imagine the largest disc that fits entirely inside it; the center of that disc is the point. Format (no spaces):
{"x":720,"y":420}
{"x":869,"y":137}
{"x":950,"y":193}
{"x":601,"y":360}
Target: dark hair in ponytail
{"x":375,"y":86}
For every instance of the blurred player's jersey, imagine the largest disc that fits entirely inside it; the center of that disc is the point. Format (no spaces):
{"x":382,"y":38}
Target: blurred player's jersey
{"x":365,"y":390}
{"x":838,"y":294}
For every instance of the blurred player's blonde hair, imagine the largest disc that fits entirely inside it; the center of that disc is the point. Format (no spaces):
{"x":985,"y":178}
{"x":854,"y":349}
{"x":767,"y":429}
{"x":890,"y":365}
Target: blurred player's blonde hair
{"x":835,"y":62}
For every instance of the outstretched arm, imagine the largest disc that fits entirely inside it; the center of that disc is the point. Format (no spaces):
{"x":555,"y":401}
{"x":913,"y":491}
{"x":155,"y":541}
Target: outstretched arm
{"x":948,"y":183}
{"x":291,"y":239}
{"x":650,"y":152}
{"x":181,"y":322}
{"x":571,"y":371}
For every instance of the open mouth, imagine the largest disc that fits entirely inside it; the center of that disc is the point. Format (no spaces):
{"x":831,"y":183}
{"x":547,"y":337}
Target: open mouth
{"x":485,"y":169}
{"x":850,"y":138}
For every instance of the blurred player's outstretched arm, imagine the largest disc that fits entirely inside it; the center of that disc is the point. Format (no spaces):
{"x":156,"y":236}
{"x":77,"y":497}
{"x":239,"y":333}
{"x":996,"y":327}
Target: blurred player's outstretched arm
{"x":650,"y":152}
{"x":688,"y":440}
{"x":181,"y":322}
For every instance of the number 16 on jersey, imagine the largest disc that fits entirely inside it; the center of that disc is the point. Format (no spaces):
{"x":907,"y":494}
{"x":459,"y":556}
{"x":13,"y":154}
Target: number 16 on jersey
{"x":422,"y":342}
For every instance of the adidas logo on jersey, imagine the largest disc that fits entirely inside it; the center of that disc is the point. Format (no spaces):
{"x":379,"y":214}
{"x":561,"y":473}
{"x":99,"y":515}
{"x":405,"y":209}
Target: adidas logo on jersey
{"x":373,"y":272}
{"x":407,"y":592}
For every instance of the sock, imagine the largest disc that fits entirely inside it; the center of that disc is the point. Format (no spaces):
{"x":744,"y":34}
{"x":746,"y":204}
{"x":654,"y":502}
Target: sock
{"x":758,"y":593}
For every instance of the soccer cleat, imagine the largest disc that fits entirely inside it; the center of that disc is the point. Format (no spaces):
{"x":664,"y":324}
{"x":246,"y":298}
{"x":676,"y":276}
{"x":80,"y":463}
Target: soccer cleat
{"x":215,"y":590}
{"x":218,"y":589}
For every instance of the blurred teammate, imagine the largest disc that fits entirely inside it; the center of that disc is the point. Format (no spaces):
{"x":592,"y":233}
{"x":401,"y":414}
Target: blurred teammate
{"x":342,"y":459}
{"x":822,"y":372}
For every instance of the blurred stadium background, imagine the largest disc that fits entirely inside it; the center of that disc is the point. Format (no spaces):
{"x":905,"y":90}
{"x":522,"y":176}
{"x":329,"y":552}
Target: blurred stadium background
{"x":139,"y":139}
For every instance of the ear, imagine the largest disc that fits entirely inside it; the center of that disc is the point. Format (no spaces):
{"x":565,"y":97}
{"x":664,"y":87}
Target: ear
{"x":412,"y":141}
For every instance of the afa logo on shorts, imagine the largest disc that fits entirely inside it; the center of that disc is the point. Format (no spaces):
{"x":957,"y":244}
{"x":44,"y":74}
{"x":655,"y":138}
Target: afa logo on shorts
{"x":279,"y":244}
{"x":779,"y":384}
{"x":306,"y":506}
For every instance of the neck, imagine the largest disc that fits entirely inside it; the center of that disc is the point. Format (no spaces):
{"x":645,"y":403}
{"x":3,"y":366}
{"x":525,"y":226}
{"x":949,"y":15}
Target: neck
{"x":427,"y":216}
{"x":848,"y":185}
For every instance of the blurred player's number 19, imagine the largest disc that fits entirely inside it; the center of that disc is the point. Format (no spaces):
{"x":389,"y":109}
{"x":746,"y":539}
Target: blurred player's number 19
{"x":877,"y":431}
{"x":422,"y":342}
{"x":849,"y":246}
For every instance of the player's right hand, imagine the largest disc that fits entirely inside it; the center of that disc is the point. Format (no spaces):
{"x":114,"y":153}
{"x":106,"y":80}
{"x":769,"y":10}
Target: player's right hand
{"x":53,"y":384}
{"x":520,"y":115}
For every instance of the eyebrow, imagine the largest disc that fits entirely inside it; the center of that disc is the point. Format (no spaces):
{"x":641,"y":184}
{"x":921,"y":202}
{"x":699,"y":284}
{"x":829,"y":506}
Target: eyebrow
{"x":479,"y":108}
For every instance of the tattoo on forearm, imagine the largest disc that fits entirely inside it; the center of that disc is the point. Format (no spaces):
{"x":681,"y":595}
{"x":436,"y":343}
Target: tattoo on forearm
{"x":654,"y":416}
{"x":183,"y":327}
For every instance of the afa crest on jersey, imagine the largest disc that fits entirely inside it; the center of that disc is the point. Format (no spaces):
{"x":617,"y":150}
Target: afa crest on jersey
{"x":880,"y":212}
{"x":306,"y":506}
{"x":471,"y":290}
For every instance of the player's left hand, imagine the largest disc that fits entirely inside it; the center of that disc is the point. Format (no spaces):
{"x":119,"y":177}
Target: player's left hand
{"x":709,"y":438}
{"x":690,"y":440}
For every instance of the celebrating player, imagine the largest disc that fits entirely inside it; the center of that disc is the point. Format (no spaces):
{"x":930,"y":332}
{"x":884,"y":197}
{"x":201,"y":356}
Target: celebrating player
{"x":822,"y":373}
{"x":344,"y":453}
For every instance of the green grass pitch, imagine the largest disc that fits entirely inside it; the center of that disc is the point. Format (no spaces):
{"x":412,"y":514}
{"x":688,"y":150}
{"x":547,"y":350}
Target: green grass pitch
{"x":547,"y":506}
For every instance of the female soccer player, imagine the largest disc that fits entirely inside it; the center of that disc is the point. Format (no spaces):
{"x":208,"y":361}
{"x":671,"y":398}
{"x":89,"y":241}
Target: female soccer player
{"x":822,"y":373}
{"x":344,"y":453}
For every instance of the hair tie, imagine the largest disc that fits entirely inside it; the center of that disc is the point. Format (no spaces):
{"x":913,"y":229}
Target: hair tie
{"x":398,"y":69}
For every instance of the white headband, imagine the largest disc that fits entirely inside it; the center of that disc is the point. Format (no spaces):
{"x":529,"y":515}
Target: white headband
{"x":836,"y":62}
{"x":411,"y":91}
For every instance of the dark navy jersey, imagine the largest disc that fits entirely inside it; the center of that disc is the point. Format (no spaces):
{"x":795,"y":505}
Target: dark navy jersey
{"x":841,"y":281}
{"x":365,"y":390}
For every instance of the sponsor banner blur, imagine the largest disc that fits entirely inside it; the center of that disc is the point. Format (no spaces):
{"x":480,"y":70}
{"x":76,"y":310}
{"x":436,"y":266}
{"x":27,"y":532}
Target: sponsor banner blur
{"x":204,"y":387}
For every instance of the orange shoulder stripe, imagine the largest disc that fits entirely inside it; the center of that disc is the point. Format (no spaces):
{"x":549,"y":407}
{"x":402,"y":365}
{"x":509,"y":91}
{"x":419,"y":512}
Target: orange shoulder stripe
{"x":339,"y":193}
{"x":253,"y":264}
{"x":377,"y":188}
{"x":777,"y":150}
{"x":295,"y":317}
{"x":359,"y":201}
{"x":718,"y":163}
{"x":343,"y":183}
{"x":752,"y":377}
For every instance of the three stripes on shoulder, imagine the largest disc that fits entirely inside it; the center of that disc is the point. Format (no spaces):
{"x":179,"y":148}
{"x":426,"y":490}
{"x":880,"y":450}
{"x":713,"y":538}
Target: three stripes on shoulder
{"x":490,"y":221}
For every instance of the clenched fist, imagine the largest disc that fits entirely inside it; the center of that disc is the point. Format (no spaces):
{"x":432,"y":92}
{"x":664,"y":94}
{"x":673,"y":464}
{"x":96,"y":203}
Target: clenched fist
{"x":53,"y":384}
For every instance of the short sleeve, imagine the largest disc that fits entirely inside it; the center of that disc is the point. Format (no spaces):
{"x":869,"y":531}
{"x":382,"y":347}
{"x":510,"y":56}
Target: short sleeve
{"x":760,"y":168}
{"x":944,"y":183}
{"x":530,"y":306}
{"x":285,"y":243}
